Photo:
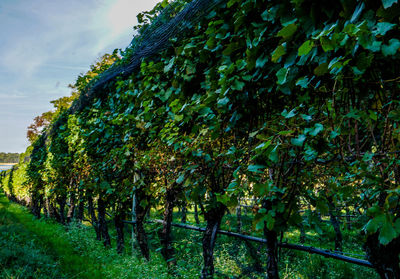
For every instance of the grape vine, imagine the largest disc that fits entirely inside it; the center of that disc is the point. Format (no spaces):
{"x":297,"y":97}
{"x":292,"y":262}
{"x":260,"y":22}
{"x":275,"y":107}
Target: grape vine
{"x":290,"y":102}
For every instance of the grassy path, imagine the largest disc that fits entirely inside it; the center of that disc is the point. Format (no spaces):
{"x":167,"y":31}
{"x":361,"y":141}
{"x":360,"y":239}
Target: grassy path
{"x":31,"y":248}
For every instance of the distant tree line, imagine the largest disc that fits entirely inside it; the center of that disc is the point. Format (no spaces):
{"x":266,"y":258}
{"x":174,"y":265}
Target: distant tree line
{"x":9,"y":157}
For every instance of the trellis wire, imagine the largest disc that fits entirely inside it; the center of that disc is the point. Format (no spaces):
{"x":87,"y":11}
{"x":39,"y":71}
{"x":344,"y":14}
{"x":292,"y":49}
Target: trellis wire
{"x":309,"y":249}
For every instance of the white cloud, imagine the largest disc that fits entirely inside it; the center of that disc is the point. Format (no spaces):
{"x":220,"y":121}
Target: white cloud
{"x":46,"y":45}
{"x":21,"y":59}
{"x":117,"y":19}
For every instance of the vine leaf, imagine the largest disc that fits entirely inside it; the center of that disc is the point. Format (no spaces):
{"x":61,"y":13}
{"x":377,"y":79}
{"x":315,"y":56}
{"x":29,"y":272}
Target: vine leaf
{"x":299,"y":140}
{"x":278,"y":53}
{"x":287,"y":31}
{"x":305,"y":48}
{"x":314,"y":131}
{"x":387,"y":233}
{"x":388,"y":3}
{"x":255,"y":168}
{"x":391,"y":48}
{"x":383,"y":27}
{"x":327,"y":44}
{"x":289,"y":114}
{"x":282,"y":75}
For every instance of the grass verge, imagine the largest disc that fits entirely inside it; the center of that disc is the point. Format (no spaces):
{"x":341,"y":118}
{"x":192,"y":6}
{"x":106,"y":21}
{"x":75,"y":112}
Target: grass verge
{"x":32,"y":248}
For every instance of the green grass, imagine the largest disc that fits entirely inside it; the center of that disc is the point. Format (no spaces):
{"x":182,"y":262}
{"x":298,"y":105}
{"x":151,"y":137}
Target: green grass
{"x":32,"y":248}
{"x":232,"y":257}
{"x":21,"y":254}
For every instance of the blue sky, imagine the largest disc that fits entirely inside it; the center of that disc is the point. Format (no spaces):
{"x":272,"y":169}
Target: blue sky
{"x":45,"y":45}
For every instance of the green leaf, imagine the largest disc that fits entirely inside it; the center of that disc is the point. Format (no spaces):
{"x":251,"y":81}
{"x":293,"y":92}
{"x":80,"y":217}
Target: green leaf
{"x":232,"y":186}
{"x":264,"y":145}
{"x":357,"y":71}
{"x":180,"y":179}
{"x":382,"y":28}
{"x":164,"y":3}
{"x":262,"y":210}
{"x":350,"y":29}
{"x":105,"y":185}
{"x":372,"y":226}
{"x":110,"y":191}
{"x":168,"y":67}
{"x":373,"y":115}
{"x":387,"y":233}
{"x":364,"y":61}
{"x":253,"y":134}
{"x":394,"y":114}
{"x":289,"y":114}
{"x":306,"y":117}
{"x":238,"y":85}
{"x":391,"y":48}
{"x":322,"y":69}
{"x":314,"y":131}
{"x":305,"y":48}
{"x":357,"y":12}
{"x":282,"y":75}
{"x":223,"y":101}
{"x":287,"y":31}
{"x":229,"y":49}
{"x":374,"y":46}
{"x":224,"y":199}
{"x":273,"y":156}
{"x":211,"y":44}
{"x":310,"y":154}
{"x":260,"y":225}
{"x":256,"y":168}
{"x":266,"y":15}
{"x":335,"y":62}
{"x":397,"y":226}
{"x":270,"y":219}
{"x":261,"y":188}
{"x":388,"y":3}
{"x":231,"y":3}
{"x":374,"y":210}
{"x":241,"y":64}
{"x":327,"y":44}
{"x":367,"y":156}
{"x":178,"y":117}
{"x":299,"y":140}
{"x":144,"y":203}
{"x":278,"y":53}
{"x":261,"y":61}
{"x":302,"y":82}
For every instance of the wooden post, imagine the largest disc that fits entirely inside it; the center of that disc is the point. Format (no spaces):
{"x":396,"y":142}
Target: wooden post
{"x":196,"y":214}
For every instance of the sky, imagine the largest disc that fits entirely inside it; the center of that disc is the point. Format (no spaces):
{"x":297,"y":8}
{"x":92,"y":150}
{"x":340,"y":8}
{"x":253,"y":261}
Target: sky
{"x":45,"y":45}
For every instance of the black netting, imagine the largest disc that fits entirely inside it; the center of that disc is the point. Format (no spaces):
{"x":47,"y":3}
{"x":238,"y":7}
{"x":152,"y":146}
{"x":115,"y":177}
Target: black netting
{"x":154,"y":39}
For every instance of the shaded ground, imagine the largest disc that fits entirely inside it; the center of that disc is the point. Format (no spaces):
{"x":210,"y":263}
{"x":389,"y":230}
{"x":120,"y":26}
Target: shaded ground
{"x":33,"y":249}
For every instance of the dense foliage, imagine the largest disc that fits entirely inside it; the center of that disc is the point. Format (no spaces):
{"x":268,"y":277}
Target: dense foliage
{"x":294,"y":103}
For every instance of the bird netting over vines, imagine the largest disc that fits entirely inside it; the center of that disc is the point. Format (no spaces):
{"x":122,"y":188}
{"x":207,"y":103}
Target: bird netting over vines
{"x":294,"y":104}
{"x":168,"y":25}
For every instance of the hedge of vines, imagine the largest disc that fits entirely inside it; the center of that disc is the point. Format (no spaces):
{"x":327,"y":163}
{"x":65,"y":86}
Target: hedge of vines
{"x":293,"y":102}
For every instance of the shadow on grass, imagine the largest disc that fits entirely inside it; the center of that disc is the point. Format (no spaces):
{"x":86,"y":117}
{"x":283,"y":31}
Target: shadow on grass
{"x":50,"y":250}
{"x":32,"y":248}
